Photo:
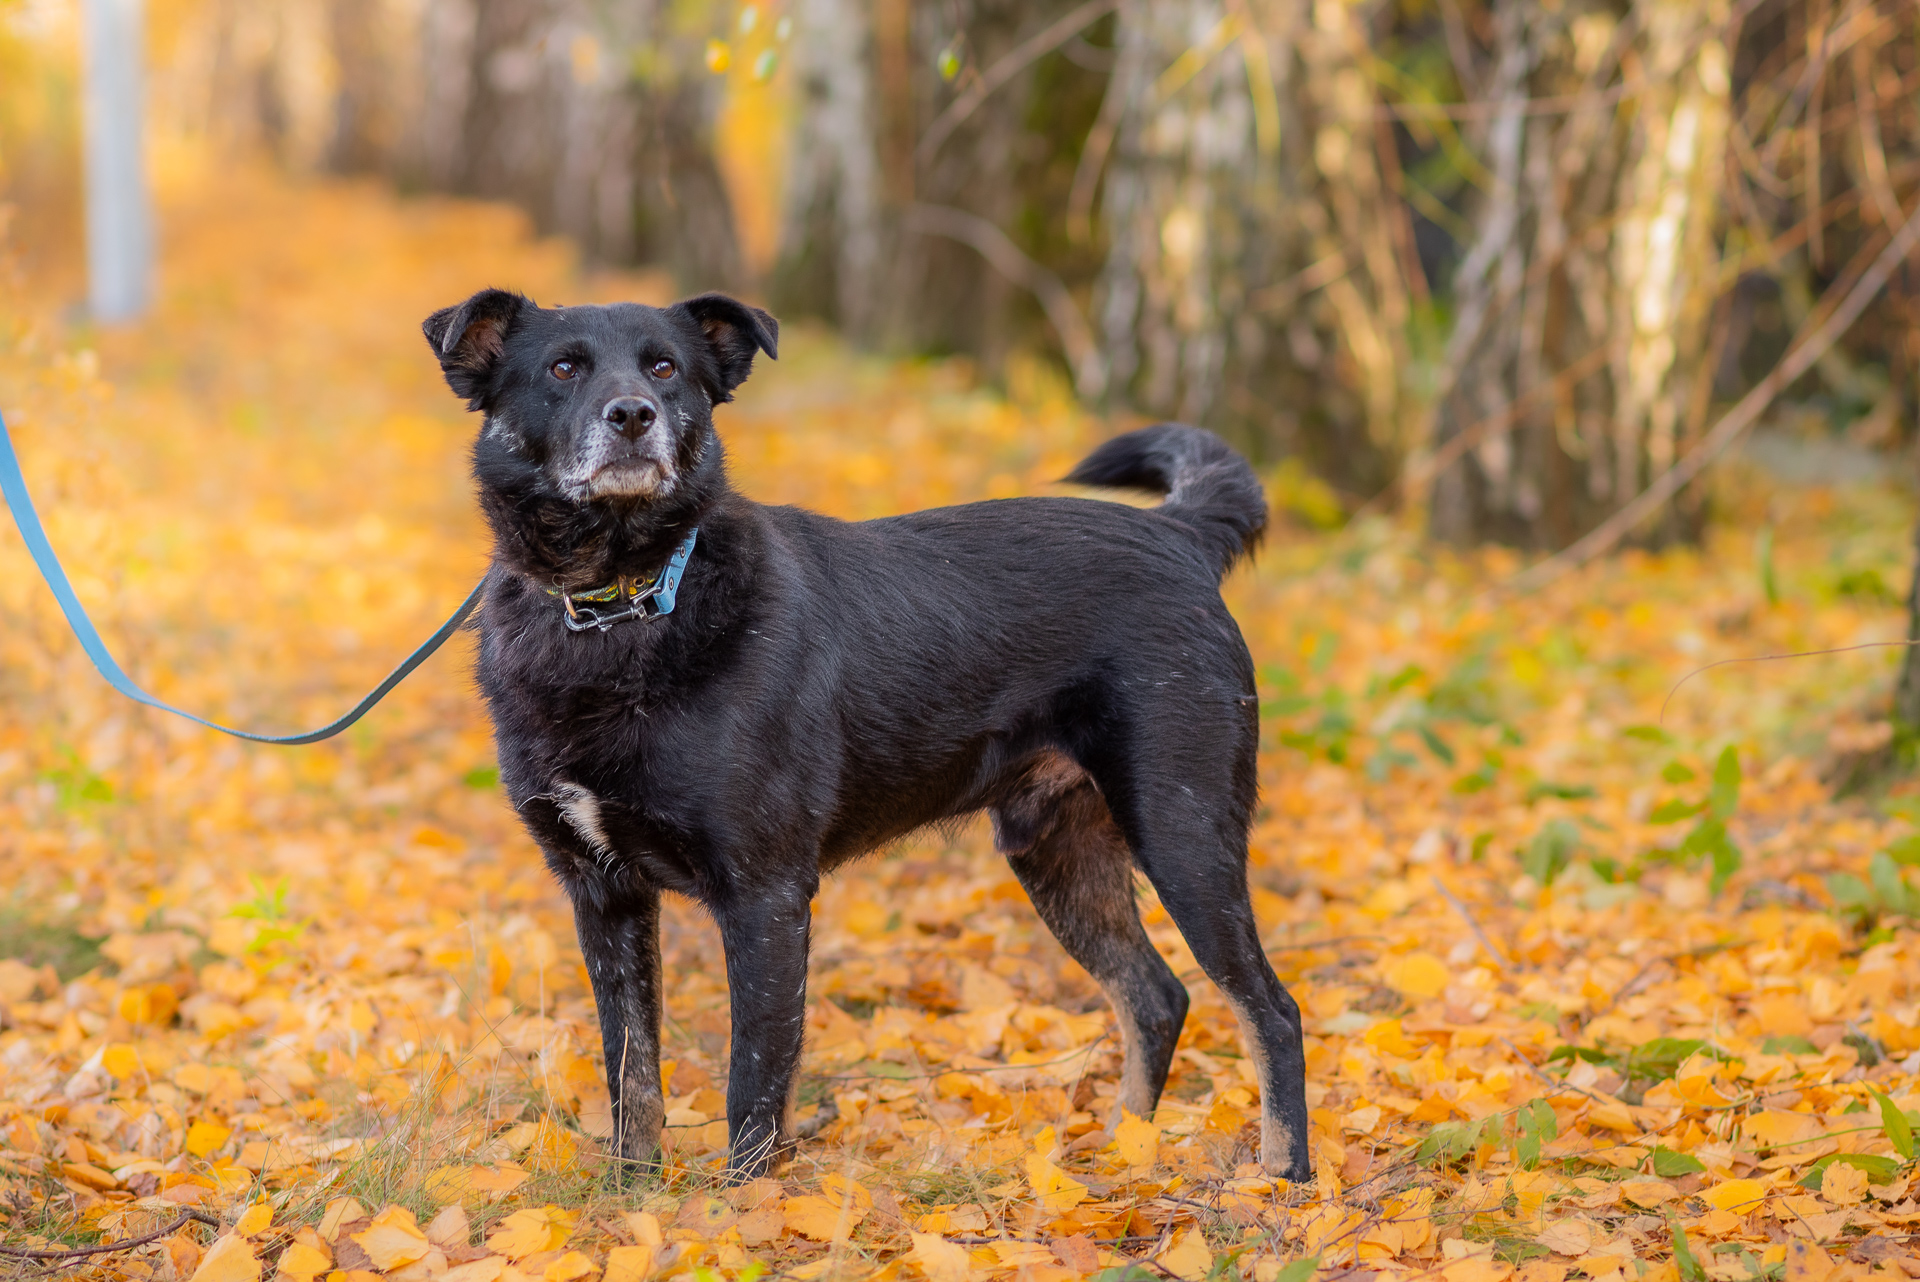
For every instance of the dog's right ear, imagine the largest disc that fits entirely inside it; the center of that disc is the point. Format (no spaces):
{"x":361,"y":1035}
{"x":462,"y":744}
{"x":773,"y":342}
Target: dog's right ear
{"x":469,"y":338}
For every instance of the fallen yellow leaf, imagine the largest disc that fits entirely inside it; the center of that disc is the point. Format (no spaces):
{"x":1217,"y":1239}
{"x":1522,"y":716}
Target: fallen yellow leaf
{"x":1843,"y":1184}
{"x":449,"y":1229}
{"x":1390,"y":1036}
{"x":1777,"y":1126}
{"x":393,"y":1239}
{"x":1057,"y":1191}
{"x":254,"y":1220}
{"x":1187,"y":1256}
{"x":485,"y":1269}
{"x":229,"y":1259}
{"x":1648,"y":1192}
{"x":1735,"y":1195}
{"x":821,"y":1219}
{"x":1476,"y":1268}
{"x":300,"y":1260}
{"x":569,"y":1267}
{"x":1417,"y":975}
{"x":205,"y":1137}
{"x":1137,"y":1141}
{"x":938,"y":1259}
{"x":120,"y":1059}
{"x":838,"y":1188}
{"x":531,"y":1231}
{"x":628,"y":1264}
{"x":1806,"y":1262}
{"x":1567,"y":1237}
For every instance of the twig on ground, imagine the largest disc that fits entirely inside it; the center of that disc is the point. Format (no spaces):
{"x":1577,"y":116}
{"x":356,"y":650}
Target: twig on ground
{"x":1633,"y":985}
{"x":1499,"y":957}
{"x":1555,"y":1082}
{"x":1769,"y":658}
{"x":108,"y":1248}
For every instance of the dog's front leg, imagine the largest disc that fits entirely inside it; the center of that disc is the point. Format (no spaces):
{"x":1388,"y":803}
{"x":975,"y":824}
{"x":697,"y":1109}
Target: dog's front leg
{"x":765,"y":931}
{"x":620,"y":941}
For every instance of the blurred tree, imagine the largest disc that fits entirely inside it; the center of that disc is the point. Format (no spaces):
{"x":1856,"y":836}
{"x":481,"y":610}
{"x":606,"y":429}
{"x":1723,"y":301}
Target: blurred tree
{"x":1578,"y":364}
{"x":1171,"y":194}
{"x":1505,"y":260}
{"x":597,"y":119}
{"x":1259,"y":271}
{"x":1675,"y":194}
{"x":927,"y":139}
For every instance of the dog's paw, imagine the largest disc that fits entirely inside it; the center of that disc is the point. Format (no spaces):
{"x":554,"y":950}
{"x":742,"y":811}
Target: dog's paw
{"x":627,"y":1173}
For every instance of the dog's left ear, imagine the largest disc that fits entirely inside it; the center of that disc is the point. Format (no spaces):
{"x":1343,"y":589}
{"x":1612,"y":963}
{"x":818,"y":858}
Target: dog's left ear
{"x":469,"y":338}
{"x":735,"y":331}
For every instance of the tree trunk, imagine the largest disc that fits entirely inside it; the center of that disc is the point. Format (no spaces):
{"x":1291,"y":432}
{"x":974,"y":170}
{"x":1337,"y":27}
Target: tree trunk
{"x":832,"y":234}
{"x":597,"y":119}
{"x":1255,"y":283}
{"x":1578,"y":364}
{"x":917,"y":213}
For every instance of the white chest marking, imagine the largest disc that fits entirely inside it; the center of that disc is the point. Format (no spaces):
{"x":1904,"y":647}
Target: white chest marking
{"x":582,"y":811}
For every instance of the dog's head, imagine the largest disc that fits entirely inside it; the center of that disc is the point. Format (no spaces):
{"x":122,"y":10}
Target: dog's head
{"x":597,"y":406}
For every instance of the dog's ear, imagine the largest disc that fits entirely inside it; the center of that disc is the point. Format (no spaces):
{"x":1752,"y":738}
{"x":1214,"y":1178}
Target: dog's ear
{"x":734,"y":331}
{"x":468,"y":338}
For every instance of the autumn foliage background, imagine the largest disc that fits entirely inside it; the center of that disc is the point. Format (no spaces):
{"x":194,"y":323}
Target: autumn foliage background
{"x":1600,"y":983}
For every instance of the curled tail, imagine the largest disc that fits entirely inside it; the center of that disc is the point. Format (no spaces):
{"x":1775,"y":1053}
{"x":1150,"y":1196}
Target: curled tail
{"x":1209,"y":487}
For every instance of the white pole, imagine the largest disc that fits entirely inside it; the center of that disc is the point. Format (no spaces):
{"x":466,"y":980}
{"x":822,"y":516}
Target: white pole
{"x":119,"y":224}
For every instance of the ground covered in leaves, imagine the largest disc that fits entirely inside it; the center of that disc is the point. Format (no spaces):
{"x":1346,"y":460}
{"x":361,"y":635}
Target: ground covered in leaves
{"x":1593,"y":992}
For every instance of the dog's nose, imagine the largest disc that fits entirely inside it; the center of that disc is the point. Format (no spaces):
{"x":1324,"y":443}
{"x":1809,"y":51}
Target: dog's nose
{"x":629,"y":415}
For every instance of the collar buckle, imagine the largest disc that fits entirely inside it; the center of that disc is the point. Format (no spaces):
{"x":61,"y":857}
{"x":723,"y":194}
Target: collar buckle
{"x":598,"y":610}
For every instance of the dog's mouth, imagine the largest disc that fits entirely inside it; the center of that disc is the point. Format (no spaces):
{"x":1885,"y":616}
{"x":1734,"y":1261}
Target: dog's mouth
{"x":632,"y":478}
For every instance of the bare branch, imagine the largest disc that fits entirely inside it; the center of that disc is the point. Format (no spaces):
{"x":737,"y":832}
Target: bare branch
{"x":1007,"y":258}
{"x":1736,"y":421}
{"x":1021,"y":56}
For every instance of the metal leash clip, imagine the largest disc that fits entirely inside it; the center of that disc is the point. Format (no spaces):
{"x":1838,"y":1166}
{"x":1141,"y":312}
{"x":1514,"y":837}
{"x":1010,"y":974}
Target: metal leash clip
{"x":584,"y":618}
{"x":646,"y":601}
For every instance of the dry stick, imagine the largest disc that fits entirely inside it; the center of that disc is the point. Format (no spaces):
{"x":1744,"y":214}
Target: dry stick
{"x":1873,"y":153}
{"x":1093,"y":158}
{"x":1736,"y":420}
{"x":1478,"y":933}
{"x":1016,"y":60}
{"x":1558,"y":105}
{"x":1632,"y":986}
{"x":108,"y":1248}
{"x":1314,"y":276}
{"x":1548,"y":1078}
{"x":1769,"y":658}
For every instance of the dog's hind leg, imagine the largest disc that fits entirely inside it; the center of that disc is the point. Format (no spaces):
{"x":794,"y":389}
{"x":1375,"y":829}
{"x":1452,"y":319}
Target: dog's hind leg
{"x":1191,"y":842}
{"x":620,"y":942}
{"x":1062,"y":844}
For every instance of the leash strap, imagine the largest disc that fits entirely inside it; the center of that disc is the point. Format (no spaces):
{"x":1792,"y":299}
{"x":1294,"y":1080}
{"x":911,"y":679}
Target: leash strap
{"x":14,"y":485}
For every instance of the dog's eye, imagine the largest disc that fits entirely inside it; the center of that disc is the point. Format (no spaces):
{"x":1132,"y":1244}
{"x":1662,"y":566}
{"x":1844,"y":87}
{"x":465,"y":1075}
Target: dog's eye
{"x":564,"y":370}
{"x":663,"y":369}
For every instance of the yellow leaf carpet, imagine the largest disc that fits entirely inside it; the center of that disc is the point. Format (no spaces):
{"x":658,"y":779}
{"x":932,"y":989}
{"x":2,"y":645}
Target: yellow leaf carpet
{"x":1589,"y":993}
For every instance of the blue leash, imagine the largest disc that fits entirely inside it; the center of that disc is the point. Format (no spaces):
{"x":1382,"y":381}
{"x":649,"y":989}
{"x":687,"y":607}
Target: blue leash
{"x":14,"y":486}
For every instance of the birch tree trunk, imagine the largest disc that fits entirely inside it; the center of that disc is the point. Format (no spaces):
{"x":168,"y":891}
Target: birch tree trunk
{"x":904,"y":212}
{"x":1577,"y":368}
{"x":1254,"y":282}
{"x":832,"y":235}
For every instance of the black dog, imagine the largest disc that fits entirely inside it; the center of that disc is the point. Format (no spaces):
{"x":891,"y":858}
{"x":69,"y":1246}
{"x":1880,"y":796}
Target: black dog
{"x":813,"y":689}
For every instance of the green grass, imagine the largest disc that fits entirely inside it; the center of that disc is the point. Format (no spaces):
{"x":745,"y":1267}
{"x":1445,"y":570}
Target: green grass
{"x":42,"y":942}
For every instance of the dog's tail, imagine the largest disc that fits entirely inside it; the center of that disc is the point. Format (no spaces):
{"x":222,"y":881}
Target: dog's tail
{"x":1209,"y":487}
